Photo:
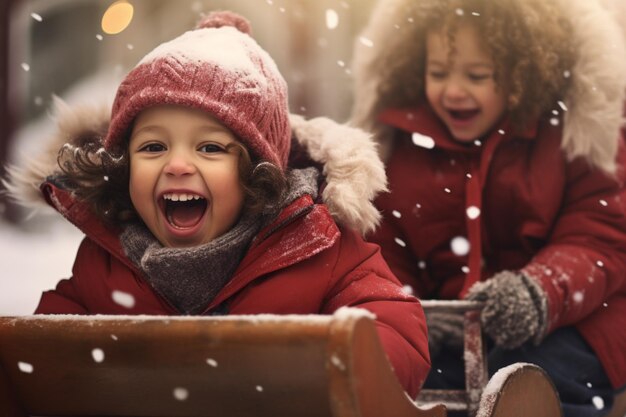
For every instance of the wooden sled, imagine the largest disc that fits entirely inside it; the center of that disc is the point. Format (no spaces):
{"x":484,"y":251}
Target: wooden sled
{"x":518,"y":390}
{"x":180,"y":366}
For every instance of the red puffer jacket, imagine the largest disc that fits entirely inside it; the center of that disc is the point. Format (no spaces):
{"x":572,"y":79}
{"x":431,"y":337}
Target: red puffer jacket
{"x":522,"y":206}
{"x":301,"y":264}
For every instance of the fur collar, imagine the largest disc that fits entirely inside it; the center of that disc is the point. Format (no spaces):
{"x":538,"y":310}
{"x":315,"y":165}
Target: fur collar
{"x":595,"y":101}
{"x":354,"y":172}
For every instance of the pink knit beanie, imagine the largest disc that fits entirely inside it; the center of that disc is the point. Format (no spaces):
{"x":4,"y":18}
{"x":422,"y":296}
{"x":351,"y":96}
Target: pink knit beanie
{"x":217,"y":68}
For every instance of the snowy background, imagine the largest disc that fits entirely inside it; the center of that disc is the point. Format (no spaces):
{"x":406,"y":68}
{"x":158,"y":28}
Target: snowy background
{"x":33,"y":257}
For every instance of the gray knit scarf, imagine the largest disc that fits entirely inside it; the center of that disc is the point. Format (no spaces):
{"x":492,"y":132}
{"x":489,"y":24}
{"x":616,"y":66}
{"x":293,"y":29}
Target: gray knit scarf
{"x":190,"y":278}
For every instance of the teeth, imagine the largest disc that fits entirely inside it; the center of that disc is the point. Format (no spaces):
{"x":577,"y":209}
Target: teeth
{"x":182,"y":197}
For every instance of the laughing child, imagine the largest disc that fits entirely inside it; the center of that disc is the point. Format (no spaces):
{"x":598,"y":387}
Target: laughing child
{"x":499,"y":121}
{"x":189,"y":206}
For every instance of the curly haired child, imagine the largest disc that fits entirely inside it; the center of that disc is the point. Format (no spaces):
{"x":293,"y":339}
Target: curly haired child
{"x":499,"y":124}
{"x":189,"y":206}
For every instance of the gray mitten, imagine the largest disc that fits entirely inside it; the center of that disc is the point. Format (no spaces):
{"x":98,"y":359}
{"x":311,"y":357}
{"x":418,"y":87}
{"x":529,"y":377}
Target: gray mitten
{"x":444,"y":329}
{"x":515,"y":308}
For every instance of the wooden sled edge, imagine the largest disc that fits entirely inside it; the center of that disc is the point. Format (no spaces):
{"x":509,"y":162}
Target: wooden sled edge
{"x":355,"y":379}
{"x":518,"y":390}
{"x":362,"y":381}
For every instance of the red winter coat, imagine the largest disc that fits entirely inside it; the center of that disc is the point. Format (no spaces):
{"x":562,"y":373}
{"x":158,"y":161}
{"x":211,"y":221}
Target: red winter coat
{"x":301,"y":264}
{"x":560,"y":222}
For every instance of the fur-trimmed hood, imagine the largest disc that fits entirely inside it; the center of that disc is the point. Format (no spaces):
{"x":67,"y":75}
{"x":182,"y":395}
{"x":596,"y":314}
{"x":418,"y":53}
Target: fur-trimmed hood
{"x":352,"y":168}
{"x":594,"y":102}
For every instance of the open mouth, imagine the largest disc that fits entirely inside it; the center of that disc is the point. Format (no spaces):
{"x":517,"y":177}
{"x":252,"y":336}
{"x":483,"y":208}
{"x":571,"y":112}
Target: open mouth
{"x":463,"y":115}
{"x":184,"y":211}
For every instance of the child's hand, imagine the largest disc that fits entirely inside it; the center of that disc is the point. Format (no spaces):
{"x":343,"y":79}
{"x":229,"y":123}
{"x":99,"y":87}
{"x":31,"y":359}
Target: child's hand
{"x":444,"y":329}
{"x":515,"y":308}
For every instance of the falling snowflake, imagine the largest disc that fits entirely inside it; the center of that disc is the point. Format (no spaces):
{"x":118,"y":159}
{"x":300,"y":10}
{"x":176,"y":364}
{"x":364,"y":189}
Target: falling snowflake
{"x":332,"y":19}
{"x":447,"y":190}
{"x":365,"y":41}
{"x":25,"y":367}
{"x":36,"y":16}
{"x":422,"y":140}
{"x":407,"y":289}
{"x":567,"y":74}
{"x":97,"y":355}
{"x":338,"y":363}
{"x":604,"y":203}
{"x":500,"y":131}
{"x":472,"y":212}
{"x":341,"y":63}
{"x":114,"y":337}
{"x":421,"y":265}
{"x":123,"y":298}
{"x":460,"y":12}
{"x":259,"y":388}
{"x":181,"y":394}
{"x":554,"y":121}
{"x":465,"y":269}
{"x":598,"y":402}
{"x":460,"y":246}
{"x":468,"y":176}
{"x":600,"y":263}
{"x":396,"y":214}
{"x":25,"y":66}
{"x":578,"y":297}
{"x":212,"y":362}
{"x":562,"y":105}
{"x":478,"y":143}
{"x":400,"y":242}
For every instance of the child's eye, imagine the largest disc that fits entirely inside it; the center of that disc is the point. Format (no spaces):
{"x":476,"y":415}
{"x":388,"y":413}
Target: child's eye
{"x":438,"y":75}
{"x":152,"y":147}
{"x":211,"y":148}
{"x":480,"y":77}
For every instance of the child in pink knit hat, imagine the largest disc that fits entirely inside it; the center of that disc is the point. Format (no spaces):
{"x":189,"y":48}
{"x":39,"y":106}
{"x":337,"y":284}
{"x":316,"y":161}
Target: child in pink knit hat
{"x":189,"y":207}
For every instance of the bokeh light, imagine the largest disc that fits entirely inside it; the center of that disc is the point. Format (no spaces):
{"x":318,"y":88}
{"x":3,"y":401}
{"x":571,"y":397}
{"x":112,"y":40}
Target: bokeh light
{"x":117,"y":17}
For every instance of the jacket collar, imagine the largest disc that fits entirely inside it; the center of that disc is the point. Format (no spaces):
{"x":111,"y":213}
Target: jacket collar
{"x":301,"y":230}
{"x":423,"y":121}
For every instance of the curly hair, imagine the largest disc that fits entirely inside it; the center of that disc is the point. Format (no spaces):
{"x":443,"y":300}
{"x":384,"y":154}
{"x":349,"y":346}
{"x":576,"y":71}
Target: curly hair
{"x":529,"y":41}
{"x":100,"y":178}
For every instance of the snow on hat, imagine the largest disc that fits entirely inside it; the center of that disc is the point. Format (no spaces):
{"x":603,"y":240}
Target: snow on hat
{"x":217,"y":68}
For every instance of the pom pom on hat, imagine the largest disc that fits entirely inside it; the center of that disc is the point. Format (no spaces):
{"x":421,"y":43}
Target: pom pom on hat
{"x":219,"y":69}
{"x":225,"y":18}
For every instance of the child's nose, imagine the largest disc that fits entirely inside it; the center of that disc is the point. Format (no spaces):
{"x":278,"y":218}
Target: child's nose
{"x":455,"y":90}
{"x":179,"y":165}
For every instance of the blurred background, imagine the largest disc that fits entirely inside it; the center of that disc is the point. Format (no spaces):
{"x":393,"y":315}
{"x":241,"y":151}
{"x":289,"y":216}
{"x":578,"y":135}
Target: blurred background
{"x":79,"y":50}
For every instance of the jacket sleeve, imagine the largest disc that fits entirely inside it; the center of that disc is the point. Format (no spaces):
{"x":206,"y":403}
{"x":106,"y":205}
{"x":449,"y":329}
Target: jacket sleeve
{"x":584,"y":261}
{"x":65,"y":298}
{"x":363,"y":279}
